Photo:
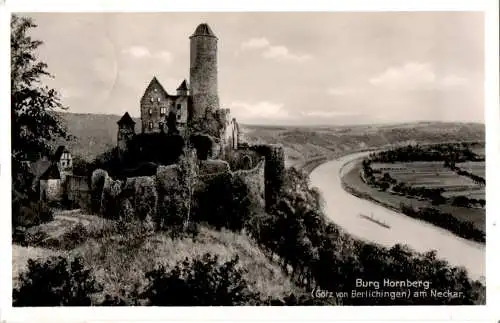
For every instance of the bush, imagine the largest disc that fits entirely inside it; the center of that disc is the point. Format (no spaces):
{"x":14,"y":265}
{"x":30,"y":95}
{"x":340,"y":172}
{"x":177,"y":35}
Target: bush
{"x":225,"y":202}
{"x":74,"y":237}
{"x":110,"y":200}
{"x":55,"y":283}
{"x":96,"y":186}
{"x":27,"y":214}
{"x":34,"y":238}
{"x":200,"y":282}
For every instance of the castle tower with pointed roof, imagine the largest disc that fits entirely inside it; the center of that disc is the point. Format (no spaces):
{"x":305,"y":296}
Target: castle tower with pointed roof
{"x":195,"y":106}
{"x":126,"y":131}
{"x":203,"y":72}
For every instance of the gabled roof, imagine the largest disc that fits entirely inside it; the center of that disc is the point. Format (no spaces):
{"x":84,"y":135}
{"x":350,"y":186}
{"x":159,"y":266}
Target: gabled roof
{"x":51,"y":173}
{"x":183,"y":86}
{"x":39,"y":167}
{"x":154,"y":83}
{"x":203,"y":30}
{"x":126,"y":120}
{"x":60,"y":150}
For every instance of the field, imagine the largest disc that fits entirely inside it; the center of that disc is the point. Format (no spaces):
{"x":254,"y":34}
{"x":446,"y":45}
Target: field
{"x":393,"y":201}
{"x":433,"y":175}
{"x":476,"y":168}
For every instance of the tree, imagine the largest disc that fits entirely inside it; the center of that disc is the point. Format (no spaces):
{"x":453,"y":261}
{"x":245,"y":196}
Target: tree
{"x":56,"y":282}
{"x":189,"y":172}
{"x":33,"y":106}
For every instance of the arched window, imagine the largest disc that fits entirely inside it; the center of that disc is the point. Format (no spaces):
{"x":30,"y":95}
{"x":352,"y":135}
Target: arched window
{"x":150,"y":125}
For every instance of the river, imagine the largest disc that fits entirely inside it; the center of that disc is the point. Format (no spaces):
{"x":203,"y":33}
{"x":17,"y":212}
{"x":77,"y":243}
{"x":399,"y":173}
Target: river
{"x":344,"y":209}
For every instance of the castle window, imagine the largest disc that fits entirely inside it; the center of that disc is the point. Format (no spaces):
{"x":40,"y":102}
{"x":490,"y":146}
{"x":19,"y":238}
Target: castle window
{"x":150,"y":125}
{"x":178,"y":117}
{"x":178,"y":106}
{"x":158,"y":99}
{"x":151,"y":99}
{"x":150,"y":111}
{"x":163,"y":111}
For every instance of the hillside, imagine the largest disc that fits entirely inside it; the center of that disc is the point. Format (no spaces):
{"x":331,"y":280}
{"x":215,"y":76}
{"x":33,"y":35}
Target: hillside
{"x":305,"y":143}
{"x":119,"y":262}
{"x":95,"y":133}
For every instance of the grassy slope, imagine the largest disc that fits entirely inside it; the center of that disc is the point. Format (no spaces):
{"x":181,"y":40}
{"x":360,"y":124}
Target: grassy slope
{"x":118,"y":263}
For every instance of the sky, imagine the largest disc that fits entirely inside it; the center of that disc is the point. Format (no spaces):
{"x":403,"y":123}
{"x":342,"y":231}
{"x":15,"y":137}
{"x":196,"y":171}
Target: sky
{"x":297,"y":68}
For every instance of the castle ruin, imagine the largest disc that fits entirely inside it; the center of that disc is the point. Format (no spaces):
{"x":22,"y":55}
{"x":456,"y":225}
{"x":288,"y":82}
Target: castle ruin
{"x":194,"y":112}
{"x":194,"y":109}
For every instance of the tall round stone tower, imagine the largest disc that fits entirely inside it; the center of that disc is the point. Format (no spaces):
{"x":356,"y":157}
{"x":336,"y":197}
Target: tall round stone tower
{"x":203,"y":75}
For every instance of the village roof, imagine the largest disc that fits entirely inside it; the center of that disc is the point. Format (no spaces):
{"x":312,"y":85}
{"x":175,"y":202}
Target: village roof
{"x":51,"y":173}
{"x":203,"y":30}
{"x":59,"y":151}
{"x":183,"y":86}
{"x":39,"y":167}
{"x":126,"y":119}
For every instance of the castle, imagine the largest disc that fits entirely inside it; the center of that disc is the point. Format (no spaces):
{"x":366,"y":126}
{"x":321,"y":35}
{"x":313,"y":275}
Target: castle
{"x":194,"y":109}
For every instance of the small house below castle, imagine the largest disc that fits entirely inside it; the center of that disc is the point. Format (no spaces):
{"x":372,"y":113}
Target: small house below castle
{"x":50,"y":173}
{"x":50,"y":184}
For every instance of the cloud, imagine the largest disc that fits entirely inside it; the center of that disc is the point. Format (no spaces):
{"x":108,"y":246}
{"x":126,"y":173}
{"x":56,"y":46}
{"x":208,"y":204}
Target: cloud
{"x":340,"y":91}
{"x":329,"y":114}
{"x":137,"y":51}
{"x":259,"y":110}
{"x":71,"y":92}
{"x":408,"y":76}
{"x":414,"y":76}
{"x":277,"y":52}
{"x":454,"y":80}
{"x":255,"y":43}
{"x":141,"y":52}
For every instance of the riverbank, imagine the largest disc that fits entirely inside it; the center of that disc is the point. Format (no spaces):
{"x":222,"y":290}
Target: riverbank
{"x":343,"y":209}
{"x":353,"y":183}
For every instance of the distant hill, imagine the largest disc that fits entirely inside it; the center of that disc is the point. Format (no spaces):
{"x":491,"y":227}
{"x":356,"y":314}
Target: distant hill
{"x":96,"y":133}
{"x":306,"y":143}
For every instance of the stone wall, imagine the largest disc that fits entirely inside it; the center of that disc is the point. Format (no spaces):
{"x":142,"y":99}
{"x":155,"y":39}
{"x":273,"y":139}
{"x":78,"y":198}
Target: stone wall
{"x":207,"y":167}
{"x":254,"y":178}
{"x":77,"y":190}
{"x":51,"y":190}
{"x":236,"y":158}
{"x":148,"y":194}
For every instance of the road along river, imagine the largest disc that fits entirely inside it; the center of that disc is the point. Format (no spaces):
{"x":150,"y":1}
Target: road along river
{"x":345,"y":210}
